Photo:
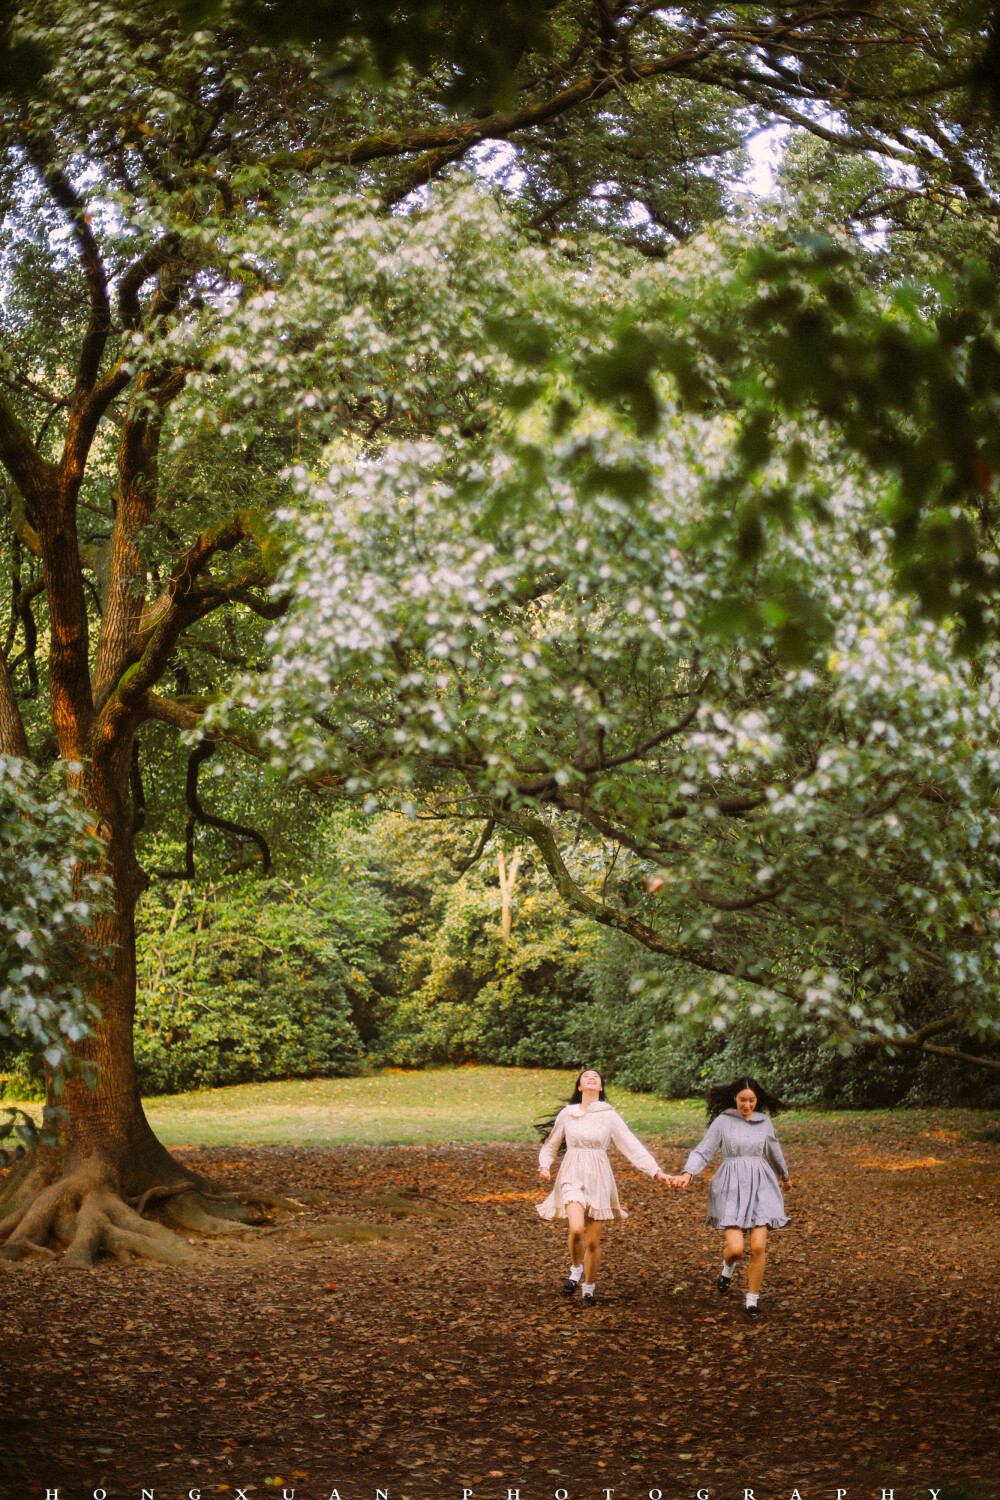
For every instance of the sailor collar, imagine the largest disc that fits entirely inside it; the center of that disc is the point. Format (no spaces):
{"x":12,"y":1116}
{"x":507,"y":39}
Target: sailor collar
{"x":598,"y":1104}
{"x":753,"y":1119}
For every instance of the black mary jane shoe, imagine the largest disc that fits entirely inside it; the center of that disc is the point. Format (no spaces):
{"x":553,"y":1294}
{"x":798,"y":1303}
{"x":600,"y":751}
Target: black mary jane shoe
{"x":724,"y":1283}
{"x":589,"y":1300}
{"x":753,"y":1311}
{"x":569,"y":1286}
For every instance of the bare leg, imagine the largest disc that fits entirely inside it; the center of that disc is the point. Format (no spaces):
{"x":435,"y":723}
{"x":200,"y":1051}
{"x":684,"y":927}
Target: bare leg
{"x":575,"y":1218}
{"x":758,"y":1257}
{"x":592,"y":1255}
{"x":733,"y":1248}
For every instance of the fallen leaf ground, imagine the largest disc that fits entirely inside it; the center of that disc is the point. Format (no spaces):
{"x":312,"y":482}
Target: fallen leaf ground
{"x":440,"y":1355}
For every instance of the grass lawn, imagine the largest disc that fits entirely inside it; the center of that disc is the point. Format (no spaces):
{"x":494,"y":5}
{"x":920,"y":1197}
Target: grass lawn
{"x":394,"y":1107}
{"x":473,"y":1103}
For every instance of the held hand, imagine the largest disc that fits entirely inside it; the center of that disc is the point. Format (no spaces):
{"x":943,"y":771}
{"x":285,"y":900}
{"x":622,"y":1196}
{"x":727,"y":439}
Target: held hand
{"x":682,"y":1180}
{"x":660,"y":1176}
{"x":545,"y":1174}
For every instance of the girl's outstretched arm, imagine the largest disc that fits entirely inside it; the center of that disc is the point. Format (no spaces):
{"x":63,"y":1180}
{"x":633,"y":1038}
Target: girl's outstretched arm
{"x":705,"y":1149}
{"x":550,"y":1146}
{"x":631,"y":1147}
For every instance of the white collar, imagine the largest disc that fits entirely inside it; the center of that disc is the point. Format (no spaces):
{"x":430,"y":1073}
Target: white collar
{"x":754,"y":1119}
{"x":598,"y":1104}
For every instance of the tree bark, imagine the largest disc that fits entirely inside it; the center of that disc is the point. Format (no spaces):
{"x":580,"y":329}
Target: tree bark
{"x":106,"y":1118}
{"x":507,"y":879}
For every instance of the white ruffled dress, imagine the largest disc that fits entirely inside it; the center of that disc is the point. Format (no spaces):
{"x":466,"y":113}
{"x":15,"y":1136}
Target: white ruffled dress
{"x":744,"y":1191}
{"x":585,"y":1175}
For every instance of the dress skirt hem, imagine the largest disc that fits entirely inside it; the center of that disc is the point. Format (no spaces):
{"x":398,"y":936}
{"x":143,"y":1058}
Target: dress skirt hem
{"x":585,"y":1176}
{"x":744,"y":1194}
{"x":757,"y":1224}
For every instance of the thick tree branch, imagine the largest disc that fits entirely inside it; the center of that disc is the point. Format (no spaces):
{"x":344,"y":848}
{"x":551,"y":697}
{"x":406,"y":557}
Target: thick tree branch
{"x":576,"y":899}
{"x":179,"y":606}
{"x":138,"y":273}
{"x":460,"y":135}
{"x":13,"y":740}
{"x":919,"y":1041}
{"x":239,"y":592}
{"x":187,"y":715}
{"x":121,"y":627}
{"x":66,"y":197}
{"x":33,"y":476}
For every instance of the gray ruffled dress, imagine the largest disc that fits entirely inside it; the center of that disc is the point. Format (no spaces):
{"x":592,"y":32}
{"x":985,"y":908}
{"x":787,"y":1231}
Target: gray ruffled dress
{"x":744,"y":1191}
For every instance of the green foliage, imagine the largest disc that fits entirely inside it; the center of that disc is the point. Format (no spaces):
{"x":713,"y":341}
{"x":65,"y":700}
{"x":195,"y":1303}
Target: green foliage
{"x":480,"y":45}
{"x":50,"y":899}
{"x":530,"y":627}
{"x":910,"y":383}
{"x":652,"y":1052}
{"x":256,"y":979}
{"x":558,"y":556}
{"x":564,"y":992}
{"x":466,"y":995}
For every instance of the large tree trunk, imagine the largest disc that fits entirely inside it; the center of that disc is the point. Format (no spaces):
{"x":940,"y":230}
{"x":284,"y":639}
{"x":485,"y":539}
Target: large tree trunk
{"x":101,"y":1097}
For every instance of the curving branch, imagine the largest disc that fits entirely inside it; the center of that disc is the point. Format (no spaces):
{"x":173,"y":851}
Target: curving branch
{"x":919,"y":1041}
{"x":180,"y":605}
{"x":132,"y":281}
{"x":40,"y":152}
{"x":187,"y":716}
{"x":462,"y":866}
{"x":33,"y":476}
{"x":197,"y":816}
{"x":713,"y":962}
{"x":459,"y":136}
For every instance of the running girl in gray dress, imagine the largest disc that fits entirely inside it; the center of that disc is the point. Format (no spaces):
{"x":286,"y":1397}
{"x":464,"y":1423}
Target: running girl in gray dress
{"x":744,"y":1192}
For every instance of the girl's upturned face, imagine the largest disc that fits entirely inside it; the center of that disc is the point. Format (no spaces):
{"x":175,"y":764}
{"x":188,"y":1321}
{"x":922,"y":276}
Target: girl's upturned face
{"x":591,"y":1080}
{"x":746,"y":1102}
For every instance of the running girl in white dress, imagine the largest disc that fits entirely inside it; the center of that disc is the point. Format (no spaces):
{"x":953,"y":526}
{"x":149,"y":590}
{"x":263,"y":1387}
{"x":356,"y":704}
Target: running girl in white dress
{"x":584,"y":1191}
{"x":744,"y":1192}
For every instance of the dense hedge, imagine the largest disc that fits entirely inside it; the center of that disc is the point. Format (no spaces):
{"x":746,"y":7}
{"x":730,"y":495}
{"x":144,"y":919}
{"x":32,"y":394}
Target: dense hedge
{"x":257,"y":979}
{"x":380,"y":957}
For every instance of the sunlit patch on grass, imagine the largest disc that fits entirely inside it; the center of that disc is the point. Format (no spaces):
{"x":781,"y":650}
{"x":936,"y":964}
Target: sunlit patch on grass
{"x":922,"y":1164}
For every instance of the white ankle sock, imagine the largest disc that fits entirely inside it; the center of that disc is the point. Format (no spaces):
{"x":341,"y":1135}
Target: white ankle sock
{"x":752,"y":1299}
{"x":588,"y":1288}
{"x":727,"y":1269}
{"x":575,"y":1273}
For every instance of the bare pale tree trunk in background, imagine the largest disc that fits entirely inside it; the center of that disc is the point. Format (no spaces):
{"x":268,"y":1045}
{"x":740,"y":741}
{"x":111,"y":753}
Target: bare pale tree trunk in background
{"x":507,"y":879}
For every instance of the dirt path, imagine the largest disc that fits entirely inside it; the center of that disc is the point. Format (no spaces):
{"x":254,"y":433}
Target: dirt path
{"x":443,"y":1357}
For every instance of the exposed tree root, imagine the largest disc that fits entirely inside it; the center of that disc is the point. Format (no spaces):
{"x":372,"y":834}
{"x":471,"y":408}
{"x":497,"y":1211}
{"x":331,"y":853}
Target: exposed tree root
{"x":264,"y":1198}
{"x":192,"y":1210}
{"x":83,"y":1214}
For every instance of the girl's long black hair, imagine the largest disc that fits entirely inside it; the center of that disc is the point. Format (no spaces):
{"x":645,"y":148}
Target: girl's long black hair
{"x":544,"y":1127}
{"x":722,"y":1096}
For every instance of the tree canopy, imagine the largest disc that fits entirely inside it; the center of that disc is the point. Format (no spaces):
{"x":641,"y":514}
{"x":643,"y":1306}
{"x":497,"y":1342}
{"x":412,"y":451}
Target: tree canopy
{"x":554,"y":627}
